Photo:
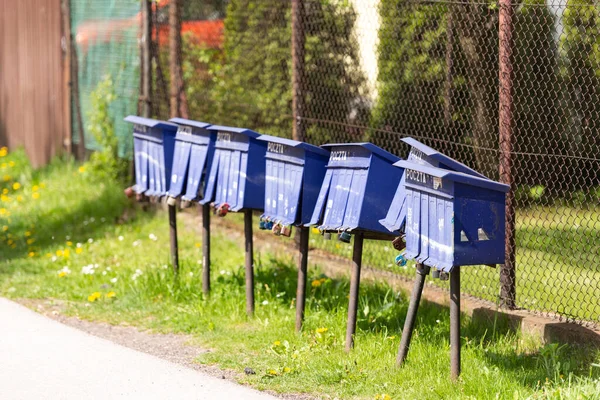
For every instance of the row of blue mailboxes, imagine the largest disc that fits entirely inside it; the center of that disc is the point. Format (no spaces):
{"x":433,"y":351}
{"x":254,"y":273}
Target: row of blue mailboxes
{"x":451,"y":215}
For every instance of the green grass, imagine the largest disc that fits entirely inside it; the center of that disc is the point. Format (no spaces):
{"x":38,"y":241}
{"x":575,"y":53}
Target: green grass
{"x":76,"y":210}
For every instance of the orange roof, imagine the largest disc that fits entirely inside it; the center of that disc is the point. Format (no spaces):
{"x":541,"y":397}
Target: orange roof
{"x":206,"y":33}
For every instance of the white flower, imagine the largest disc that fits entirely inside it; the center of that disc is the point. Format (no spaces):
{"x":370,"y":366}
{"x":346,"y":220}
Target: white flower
{"x":121,"y":238}
{"x":92,"y":219}
{"x":136,"y":243}
{"x":199,"y":262}
{"x":54,"y":258}
{"x":222,"y":272}
{"x":113,"y":280}
{"x":437,"y":321}
{"x":65,"y":270}
{"x":79,"y":245}
{"x":68,"y":237}
{"x":191,"y":274}
{"x":108,"y":269}
{"x":265,"y":302}
{"x":103,"y":273}
{"x":165,"y":266}
{"x":88,"y":270}
{"x":152,"y":236}
{"x":90,"y":240}
{"x":136,"y":274}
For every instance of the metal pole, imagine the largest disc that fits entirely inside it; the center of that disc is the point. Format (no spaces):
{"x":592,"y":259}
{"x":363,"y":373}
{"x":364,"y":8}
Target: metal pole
{"x":455,"y":323}
{"x":298,"y":78}
{"x":507,"y":271}
{"x":249,"y":263}
{"x":206,"y":249}
{"x":411,"y":315}
{"x":146,"y":58}
{"x":302,"y":271}
{"x":354,"y":288}
{"x":173,"y":237}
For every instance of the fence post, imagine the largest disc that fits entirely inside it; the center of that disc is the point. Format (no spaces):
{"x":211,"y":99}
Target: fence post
{"x":507,"y":270}
{"x":298,"y":78}
{"x":146,"y":94}
{"x":67,"y":70}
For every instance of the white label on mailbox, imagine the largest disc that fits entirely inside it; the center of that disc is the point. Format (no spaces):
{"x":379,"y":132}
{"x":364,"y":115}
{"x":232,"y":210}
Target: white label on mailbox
{"x":140,"y":128}
{"x":185,"y":130}
{"x":224,"y":137}
{"x":276,"y":148}
{"x":339,"y":155}
{"x":416,"y":176}
{"x":174,"y":178}
{"x":437,"y":183}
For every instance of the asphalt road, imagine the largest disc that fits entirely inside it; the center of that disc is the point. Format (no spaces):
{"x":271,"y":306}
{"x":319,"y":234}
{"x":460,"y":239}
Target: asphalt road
{"x":44,"y":359}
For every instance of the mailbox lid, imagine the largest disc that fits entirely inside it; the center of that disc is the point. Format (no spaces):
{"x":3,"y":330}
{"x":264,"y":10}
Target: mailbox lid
{"x":179,"y":171}
{"x":233,"y":138}
{"x":292,"y":143}
{"x":356,"y":155}
{"x":190,"y":122}
{"x":198,"y":159}
{"x":193,"y":131}
{"x":422,"y":154}
{"x":150,"y":123}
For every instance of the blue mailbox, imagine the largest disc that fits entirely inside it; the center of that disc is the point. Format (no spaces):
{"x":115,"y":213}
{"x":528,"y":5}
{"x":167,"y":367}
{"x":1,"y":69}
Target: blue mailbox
{"x":194,"y":151}
{"x":452,"y":218}
{"x":154,"y":142}
{"x":294,"y":174}
{"x":237,"y":172}
{"x":420,"y":154}
{"x":355,"y":192}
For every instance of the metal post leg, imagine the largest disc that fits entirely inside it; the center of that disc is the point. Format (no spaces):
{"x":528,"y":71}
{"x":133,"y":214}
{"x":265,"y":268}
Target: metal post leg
{"x":354,"y":287}
{"x":302,"y":271}
{"x":206,"y":249}
{"x":173,"y":238}
{"x":249,"y":263}
{"x":411,"y":316}
{"x":455,"y":323}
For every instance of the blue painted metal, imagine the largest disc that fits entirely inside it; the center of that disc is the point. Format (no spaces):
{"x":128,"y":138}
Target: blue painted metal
{"x":423,"y":155}
{"x":293,"y":178}
{"x":194,"y":152}
{"x":237,"y":172}
{"x":452,"y":218}
{"x":154,"y":144}
{"x":355,"y":191}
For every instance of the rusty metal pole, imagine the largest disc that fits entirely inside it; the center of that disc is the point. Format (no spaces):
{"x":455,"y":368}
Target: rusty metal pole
{"x":298,"y":75}
{"x":507,"y":271}
{"x":173,"y":238}
{"x":303,"y":232}
{"x":146,"y":42}
{"x":206,"y":249}
{"x":455,"y":323}
{"x":249,"y":262}
{"x":411,"y":314}
{"x":354,"y":288}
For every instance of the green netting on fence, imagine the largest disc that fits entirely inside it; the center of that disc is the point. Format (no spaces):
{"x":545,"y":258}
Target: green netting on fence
{"x":106,"y":36}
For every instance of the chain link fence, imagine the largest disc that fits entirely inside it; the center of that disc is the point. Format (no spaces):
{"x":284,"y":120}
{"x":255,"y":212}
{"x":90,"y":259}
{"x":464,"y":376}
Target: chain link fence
{"x":510,"y":89}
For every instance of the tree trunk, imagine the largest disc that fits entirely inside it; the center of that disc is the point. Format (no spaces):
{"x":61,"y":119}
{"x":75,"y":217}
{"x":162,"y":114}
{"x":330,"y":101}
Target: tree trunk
{"x":178,"y":99}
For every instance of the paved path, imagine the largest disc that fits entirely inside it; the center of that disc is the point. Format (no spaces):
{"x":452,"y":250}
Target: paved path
{"x":43,"y":359}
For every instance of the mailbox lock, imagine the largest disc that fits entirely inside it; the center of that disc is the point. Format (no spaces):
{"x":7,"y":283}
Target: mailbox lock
{"x":172,"y":201}
{"x":435,"y":274}
{"x":262,"y":224}
{"x":401,"y":260}
{"x":326,"y":235}
{"x":344,"y":237}
{"x":276,"y":229}
{"x":444,"y":276}
{"x":399,"y":243}
{"x":222,"y":210}
{"x":286,"y":230}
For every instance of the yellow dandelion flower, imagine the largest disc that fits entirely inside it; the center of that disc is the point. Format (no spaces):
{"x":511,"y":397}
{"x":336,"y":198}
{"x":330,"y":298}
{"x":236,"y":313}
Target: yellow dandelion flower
{"x":5,"y":191}
{"x":272,"y":372}
{"x":287,"y":370}
{"x":30,"y":241}
{"x":3,"y":151}
{"x":11,"y":163}
{"x":16,"y":186}
{"x":19,"y":198}
{"x":69,"y":244}
{"x":62,"y":274}
{"x":31,"y":254}
{"x":3,"y":211}
{"x":6,"y":178}
{"x":4,"y":228}
{"x":315,"y":231}
{"x":35,"y":195}
{"x":35,"y":188}
{"x":4,"y":165}
{"x":197,"y":244}
{"x":49,"y":255}
{"x":66,"y":253}
{"x":110,"y":295}
{"x":276,"y":343}
{"x":94,"y":296}
{"x":42,"y":185}
{"x":78,"y":250}
{"x":81,"y":169}
{"x":10,"y":241}
{"x":321,"y":330}
{"x":4,"y":198}
{"x":13,"y":246}
{"x":27,"y":233}
{"x":316,"y":283}
{"x":59,"y":253}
